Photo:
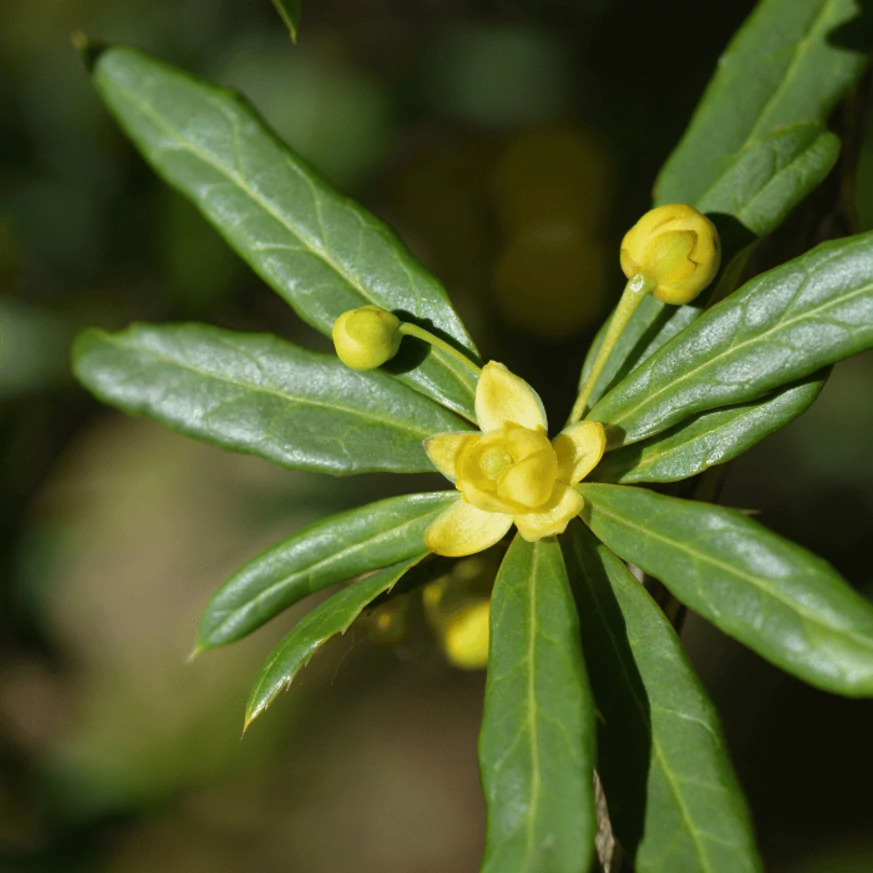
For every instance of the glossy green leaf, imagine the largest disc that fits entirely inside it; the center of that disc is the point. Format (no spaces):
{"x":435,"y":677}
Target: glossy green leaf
{"x":321,"y":252}
{"x":789,"y":62}
{"x":780,"y":327}
{"x":674,"y":800}
{"x":290,"y":12}
{"x":755,"y":147}
{"x":332,"y":617}
{"x":707,"y":439}
{"x":258,"y":394}
{"x":780,"y":600}
{"x":329,"y":551}
{"x":536,"y":748}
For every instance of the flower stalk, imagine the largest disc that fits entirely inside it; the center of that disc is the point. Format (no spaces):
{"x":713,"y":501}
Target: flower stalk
{"x":635,"y":291}
{"x":673,"y":252}
{"x":408,"y":329}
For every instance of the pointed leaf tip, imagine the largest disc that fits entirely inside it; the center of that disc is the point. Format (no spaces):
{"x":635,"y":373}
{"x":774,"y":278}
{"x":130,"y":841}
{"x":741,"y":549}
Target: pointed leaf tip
{"x":89,"y":50}
{"x":331,"y":617}
{"x":198,"y":649}
{"x":247,"y":722}
{"x":290,"y":12}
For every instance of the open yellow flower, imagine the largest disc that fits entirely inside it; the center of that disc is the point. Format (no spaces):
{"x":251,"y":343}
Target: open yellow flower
{"x":510,"y":473}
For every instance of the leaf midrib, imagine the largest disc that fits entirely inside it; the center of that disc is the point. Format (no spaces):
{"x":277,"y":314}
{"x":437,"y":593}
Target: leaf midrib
{"x":658,"y":453}
{"x":730,"y":569}
{"x":162,"y":358}
{"x":533,"y":732}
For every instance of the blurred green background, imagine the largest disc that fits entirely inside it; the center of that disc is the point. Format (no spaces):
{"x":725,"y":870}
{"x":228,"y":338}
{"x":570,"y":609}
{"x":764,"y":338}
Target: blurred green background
{"x":510,"y":144}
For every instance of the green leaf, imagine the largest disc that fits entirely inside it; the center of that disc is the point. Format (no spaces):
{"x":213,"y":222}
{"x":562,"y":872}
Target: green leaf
{"x":536,"y":748}
{"x":771,"y":176}
{"x":755,"y":147}
{"x":780,"y":600}
{"x":674,"y":800}
{"x":780,"y":327}
{"x":290,"y":12}
{"x":320,"y":251}
{"x":707,"y":439}
{"x":329,"y":551}
{"x":788,"y":63}
{"x":261,"y":395}
{"x":332,"y":617}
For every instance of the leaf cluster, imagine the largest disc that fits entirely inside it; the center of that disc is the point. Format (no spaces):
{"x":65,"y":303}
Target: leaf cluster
{"x":576,"y":641}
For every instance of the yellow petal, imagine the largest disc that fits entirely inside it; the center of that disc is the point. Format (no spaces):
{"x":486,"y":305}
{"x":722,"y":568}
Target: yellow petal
{"x":443,"y":448}
{"x":530,"y":482}
{"x":464,"y":530}
{"x":485,"y":499}
{"x":579,"y":449}
{"x":503,"y":397}
{"x":523,"y":442}
{"x":534,"y":526}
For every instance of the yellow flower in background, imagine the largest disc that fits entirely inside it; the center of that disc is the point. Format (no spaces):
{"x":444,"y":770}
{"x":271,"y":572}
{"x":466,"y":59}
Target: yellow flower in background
{"x":675,"y":247}
{"x":466,"y":637}
{"x":510,"y":473}
{"x":551,"y":191}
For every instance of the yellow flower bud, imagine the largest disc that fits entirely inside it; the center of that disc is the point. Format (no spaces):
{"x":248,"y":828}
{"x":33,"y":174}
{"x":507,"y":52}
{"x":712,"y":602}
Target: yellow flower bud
{"x":367,"y":337}
{"x":676,"y":247}
{"x":466,"y":637}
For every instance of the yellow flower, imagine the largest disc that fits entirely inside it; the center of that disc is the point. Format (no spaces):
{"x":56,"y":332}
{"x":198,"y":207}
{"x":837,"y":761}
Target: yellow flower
{"x":677,"y":248}
{"x":510,"y":473}
{"x":466,"y":636}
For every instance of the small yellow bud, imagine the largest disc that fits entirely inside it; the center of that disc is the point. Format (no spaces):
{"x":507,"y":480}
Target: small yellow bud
{"x":466,"y":637}
{"x":367,"y":337}
{"x":676,"y":247}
